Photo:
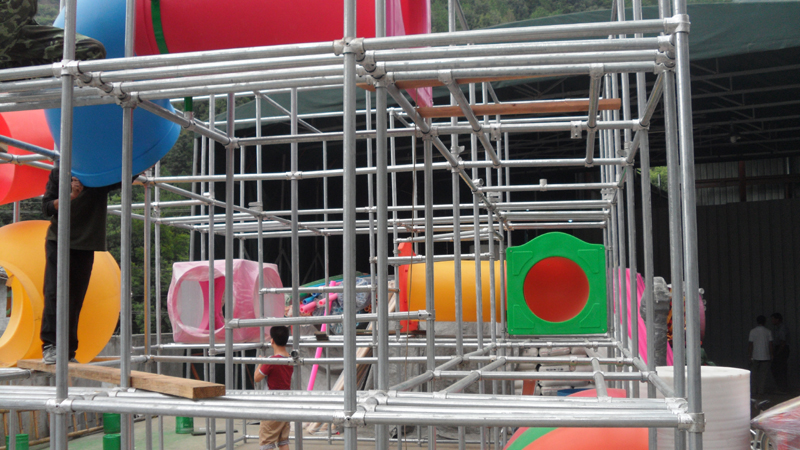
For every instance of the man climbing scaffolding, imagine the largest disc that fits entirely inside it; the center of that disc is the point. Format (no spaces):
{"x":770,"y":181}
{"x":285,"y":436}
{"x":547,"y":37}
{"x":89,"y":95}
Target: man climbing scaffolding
{"x":23,"y":42}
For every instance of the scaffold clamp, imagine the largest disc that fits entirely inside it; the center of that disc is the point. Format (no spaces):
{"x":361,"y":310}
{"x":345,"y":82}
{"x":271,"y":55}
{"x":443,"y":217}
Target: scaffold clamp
{"x":53,"y":406}
{"x":696,"y":422}
{"x":679,"y":23}
{"x":125,"y":100}
{"x":495,"y":133}
{"x":576,"y":129}
{"x":338,"y":47}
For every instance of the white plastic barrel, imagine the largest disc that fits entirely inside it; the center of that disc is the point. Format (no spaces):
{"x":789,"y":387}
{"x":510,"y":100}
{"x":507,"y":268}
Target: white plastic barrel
{"x":726,"y":404}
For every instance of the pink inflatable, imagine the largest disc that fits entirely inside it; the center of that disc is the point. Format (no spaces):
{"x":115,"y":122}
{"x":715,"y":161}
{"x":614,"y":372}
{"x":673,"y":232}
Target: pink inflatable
{"x":188,"y":299}
{"x":641,"y":325}
{"x":19,"y":182}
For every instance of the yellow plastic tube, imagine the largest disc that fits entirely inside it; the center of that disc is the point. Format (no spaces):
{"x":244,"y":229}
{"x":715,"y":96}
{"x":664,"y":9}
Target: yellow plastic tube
{"x":444,"y":290}
{"x":22,"y":255}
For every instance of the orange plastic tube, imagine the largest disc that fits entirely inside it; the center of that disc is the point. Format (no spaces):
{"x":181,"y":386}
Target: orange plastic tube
{"x":444,"y":290}
{"x":20,"y":182}
{"x":22,"y":255}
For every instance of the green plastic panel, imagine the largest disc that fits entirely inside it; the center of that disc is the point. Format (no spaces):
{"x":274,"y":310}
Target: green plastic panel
{"x":592,"y":318}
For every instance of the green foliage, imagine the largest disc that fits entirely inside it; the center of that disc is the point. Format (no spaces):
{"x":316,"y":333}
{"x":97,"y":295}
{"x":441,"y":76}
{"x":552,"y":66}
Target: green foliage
{"x":29,"y":210}
{"x":47,"y":12}
{"x":658,"y":177}
{"x":486,"y":13}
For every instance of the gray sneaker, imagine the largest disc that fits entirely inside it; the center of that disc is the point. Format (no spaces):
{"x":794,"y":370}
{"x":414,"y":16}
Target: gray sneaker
{"x":73,"y":360}
{"x":49,"y":354}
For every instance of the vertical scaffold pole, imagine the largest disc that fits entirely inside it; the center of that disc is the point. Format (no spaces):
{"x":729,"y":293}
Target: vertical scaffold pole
{"x":629,"y":191}
{"x":430,"y":323}
{"x":689,"y":206}
{"x":632,"y":276}
{"x":371,"y":214}
{"x":610,"y":176}
{"x":126,"y":314}
{"x":476,"y":241}
{"x":59,"y":440}
{"x":382,"y":203}
{"x":647,"y":229}
{"x":349,"y":226}
{"x":456,"y":187}
{"x":297,"y":379}
{"x":147,"y":267}
{"x":147,"y":292}
{"x":211,"y":424}
{"x":157,"y":282}
{"x":260,"y":207}
{"x":229,"y":249}
{"x":675,"y":243}
{"x":126,"y":342}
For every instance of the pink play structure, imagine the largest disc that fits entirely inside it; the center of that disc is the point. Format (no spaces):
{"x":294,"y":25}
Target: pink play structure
{"x":641,"y":325}
{"x":188,"y":299}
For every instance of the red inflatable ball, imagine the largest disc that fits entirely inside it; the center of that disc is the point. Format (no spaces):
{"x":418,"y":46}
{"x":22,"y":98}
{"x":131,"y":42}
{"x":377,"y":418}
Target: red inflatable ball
{"x":580,"y":438}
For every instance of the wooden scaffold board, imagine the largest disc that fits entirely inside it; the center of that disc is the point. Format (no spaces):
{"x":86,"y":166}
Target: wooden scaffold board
{"x":164,"y":384}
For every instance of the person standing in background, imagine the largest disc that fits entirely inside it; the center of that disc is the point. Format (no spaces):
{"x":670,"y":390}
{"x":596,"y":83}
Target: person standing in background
{"x":274,"y":434}
{"x":760,"y":350}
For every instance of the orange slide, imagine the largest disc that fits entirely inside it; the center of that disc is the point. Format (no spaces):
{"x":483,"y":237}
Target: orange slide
{"x":22,"y":256}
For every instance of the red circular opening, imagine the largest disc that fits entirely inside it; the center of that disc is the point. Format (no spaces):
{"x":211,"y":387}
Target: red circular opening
{"x":556,"y":289}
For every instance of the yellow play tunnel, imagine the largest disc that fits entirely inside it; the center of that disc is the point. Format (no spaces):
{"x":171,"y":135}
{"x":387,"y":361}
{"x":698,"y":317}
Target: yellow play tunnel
{"x":22,"y":255}
{"x":444,"y":289}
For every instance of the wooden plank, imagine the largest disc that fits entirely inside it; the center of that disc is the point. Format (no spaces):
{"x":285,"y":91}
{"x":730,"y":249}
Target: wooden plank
{"x":535,"y":107}
{"x":179,"y":387}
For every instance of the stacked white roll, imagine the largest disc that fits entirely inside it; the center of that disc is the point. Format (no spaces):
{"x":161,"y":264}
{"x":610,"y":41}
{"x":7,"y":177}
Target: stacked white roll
{"x":551,"y":387}
{"x":726,"y":404}
{"x":527,"y":367}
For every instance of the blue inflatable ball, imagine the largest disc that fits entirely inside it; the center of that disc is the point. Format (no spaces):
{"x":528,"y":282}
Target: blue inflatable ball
{"x":97,"y":130}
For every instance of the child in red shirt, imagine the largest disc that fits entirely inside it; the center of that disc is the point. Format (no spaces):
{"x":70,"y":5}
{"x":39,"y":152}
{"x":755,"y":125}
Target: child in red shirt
{"x":273,"y":433}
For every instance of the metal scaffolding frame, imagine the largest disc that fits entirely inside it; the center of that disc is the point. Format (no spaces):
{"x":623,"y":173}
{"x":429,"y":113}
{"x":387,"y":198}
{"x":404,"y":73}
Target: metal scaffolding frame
{"x":608,"y":53}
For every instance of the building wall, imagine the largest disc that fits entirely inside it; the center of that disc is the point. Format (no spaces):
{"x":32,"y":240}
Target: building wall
{"x":749,"y":262}
{"x":754,"y":170}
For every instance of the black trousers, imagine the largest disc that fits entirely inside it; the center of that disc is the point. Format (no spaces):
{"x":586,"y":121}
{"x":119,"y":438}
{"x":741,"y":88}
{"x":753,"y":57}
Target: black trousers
{"x":80,"y":271}
{"x":780,"y":369}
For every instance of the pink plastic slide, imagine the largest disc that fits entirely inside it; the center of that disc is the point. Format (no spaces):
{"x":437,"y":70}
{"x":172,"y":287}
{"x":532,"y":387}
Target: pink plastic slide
{"x":188,"y":299}
{"x":641,"y":325}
